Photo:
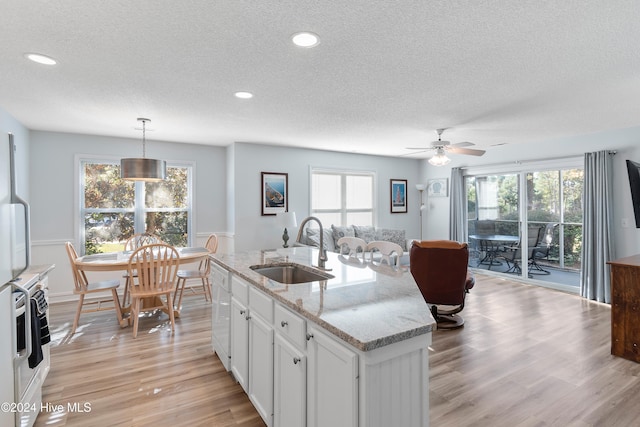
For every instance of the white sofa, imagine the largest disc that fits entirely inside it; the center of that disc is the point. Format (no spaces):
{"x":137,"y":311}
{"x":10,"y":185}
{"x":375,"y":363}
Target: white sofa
{"x":311,"y":237}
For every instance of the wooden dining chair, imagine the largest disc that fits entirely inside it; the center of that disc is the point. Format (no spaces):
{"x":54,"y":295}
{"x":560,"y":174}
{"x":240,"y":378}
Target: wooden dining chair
{"x":85,"y":288}
{"x":131,"y":244}
{"x":153,"y":270}
{"x":203,"y":272}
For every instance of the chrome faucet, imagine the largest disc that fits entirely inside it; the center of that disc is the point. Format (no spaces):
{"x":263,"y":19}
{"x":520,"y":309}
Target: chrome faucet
{"x":322,"y":252}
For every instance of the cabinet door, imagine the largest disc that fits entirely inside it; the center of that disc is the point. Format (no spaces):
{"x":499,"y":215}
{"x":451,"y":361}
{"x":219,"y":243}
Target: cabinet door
{"x":7,"y":329}
{"x":221,"y":315}
{"x":261,"y":367}
{"x":290,"y":384}
{"x":239,"y":342}
{"x":332,"y":374}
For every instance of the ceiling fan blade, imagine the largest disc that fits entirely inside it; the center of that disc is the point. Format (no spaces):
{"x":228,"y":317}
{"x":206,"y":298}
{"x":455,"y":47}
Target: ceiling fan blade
{"x":462,"y":144}
{"x":421,"y":150}
{"x":418,"y":148}
{"x":469,"y":151}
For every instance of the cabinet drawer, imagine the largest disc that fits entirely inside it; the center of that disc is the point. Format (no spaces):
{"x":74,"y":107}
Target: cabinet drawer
{"x":291,"y":325}
{"x":240,"y":290}
{"x":261,"y":304}
{"x":220,"y":276}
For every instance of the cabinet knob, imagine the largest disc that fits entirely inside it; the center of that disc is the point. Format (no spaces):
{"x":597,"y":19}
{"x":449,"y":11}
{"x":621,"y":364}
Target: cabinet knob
{"x":247,"y":317}
{"x":284,"y":323}
{"x":296,"y":360}
{"x":243,"y":311}
{"x":309,"y":336}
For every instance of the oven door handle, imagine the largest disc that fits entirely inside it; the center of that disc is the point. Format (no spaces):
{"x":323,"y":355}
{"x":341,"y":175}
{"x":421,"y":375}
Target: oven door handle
{"x":27,"y":322}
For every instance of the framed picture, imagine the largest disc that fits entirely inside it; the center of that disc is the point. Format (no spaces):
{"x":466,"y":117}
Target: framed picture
{"x":398,"y":196}
{"x":275,"y":192}
{"x":437,"y":187}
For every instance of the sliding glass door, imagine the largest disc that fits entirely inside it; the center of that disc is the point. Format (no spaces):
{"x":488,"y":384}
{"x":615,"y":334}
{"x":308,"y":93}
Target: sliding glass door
{"x":527,"y":223}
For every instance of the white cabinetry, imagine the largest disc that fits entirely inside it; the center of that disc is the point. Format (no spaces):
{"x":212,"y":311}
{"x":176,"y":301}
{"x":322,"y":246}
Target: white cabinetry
{"x":261,"y":354}
{"x":332,"y":392}
{"x":290,"y":370}
{"x":313,"y":387}
{"x":7,"y":328}
{"x":240,"y":332}
{"x":252,"y":345}
{"x":299,"y":374}
{"x":220,"y":317}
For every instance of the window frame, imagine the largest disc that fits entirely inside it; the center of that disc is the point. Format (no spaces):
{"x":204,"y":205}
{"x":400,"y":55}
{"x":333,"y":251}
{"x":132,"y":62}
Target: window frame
{"x":522,"y":169}
{"x":139,"y":210}
{"x":343,"y":211}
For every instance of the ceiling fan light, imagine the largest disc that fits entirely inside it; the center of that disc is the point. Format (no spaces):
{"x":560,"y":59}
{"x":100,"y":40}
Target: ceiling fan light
{"x":439,"y":159}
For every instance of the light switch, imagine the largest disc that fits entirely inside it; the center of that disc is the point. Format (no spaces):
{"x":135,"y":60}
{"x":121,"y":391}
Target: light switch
{"x":625,"y":222}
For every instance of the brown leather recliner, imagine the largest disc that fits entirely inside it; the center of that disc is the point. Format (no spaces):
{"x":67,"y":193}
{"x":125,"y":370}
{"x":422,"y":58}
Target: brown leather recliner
{"x":439,"y":268}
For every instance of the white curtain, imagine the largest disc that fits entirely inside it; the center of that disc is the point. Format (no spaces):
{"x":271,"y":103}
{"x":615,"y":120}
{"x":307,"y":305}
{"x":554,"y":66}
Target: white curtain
{"x":457,"y":205}
{"x":597,"y":248}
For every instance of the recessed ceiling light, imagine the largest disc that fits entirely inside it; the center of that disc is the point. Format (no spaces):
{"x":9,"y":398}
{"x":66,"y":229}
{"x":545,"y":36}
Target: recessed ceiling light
{"x":40,"y":59}
{"x":243,"y":95}
{"x":305,"y":39}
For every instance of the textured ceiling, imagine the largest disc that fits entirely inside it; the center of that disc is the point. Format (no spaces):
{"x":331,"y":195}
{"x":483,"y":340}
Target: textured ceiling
{"x":385,"y":75}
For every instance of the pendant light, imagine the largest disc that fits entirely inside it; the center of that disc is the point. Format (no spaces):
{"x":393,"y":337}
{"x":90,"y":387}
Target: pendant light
{"x":143,"y":169}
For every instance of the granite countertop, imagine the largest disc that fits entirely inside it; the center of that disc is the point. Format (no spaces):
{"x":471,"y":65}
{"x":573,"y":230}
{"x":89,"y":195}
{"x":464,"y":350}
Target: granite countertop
{"x":33,"y":274}
{"x":368,"y":306}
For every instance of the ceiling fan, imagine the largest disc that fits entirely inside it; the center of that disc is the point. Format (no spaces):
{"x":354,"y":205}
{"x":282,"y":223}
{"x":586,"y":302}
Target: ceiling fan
{"x":441,"y":147}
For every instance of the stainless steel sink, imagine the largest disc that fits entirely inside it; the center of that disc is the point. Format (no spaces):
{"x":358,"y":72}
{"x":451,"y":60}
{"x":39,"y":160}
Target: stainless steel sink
{"x":290,"y":273}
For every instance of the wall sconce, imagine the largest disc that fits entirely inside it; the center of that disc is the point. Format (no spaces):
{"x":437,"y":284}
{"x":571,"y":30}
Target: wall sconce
{"x":287,"y":220}
{"x":421,"y":188}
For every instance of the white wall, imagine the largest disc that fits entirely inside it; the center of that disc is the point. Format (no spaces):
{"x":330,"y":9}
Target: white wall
{"x":625,"y":141}
{"x":21,"y":139}
{"x":227,"y":193}
{"x":254,"y":231}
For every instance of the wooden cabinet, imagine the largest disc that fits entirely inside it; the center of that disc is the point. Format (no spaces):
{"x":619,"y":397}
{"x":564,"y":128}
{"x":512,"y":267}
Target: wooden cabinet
{"x":625,"y":308}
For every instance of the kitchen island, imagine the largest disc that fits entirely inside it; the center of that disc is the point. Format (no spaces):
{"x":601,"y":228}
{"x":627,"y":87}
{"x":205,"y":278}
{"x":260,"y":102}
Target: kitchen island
{"x":348,"y":350}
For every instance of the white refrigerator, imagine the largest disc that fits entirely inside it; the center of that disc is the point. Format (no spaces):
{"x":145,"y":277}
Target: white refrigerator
{"x":14,"y":259}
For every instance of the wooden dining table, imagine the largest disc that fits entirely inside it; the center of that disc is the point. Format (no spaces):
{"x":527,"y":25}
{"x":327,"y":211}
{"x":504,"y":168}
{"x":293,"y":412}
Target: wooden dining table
{"x":119,"y":261}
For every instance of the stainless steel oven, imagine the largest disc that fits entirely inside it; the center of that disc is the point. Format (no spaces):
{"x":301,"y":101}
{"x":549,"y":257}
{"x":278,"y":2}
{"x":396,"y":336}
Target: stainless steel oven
{"x":29,"y":349}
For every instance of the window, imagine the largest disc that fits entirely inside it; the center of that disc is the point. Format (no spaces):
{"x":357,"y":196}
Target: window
{"x":113,"y":209}
{"x":553,"y":205}
{"x":342,"y":198}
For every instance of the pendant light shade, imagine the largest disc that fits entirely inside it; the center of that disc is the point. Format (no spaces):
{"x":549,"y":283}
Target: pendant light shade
{"x":143,"y":169}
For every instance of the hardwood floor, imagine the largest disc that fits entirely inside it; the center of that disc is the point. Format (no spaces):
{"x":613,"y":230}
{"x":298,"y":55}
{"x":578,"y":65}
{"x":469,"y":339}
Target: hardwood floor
{"x":530,"y":356}
{"x":527,"y":356}
{"x":155,"y":379}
